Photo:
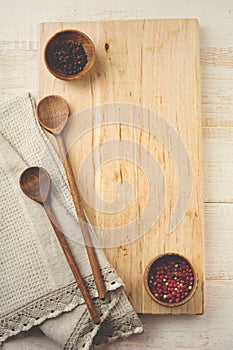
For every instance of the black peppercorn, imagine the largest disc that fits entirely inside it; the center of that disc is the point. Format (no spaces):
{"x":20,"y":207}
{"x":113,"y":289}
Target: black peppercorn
{"x":69,"y":57}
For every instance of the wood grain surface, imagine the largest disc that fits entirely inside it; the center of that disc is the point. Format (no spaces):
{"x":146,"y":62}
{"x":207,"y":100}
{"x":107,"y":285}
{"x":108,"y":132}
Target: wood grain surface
{"x":156,"y":65}
{"x":18,"y":65}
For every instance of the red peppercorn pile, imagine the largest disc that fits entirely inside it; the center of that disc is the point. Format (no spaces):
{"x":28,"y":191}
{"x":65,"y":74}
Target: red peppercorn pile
{"x":171,"y":279}
{"x":69,"y":57}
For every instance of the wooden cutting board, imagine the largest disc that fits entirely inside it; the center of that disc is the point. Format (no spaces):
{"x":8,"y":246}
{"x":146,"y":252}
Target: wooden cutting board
{"x":135,"y":143}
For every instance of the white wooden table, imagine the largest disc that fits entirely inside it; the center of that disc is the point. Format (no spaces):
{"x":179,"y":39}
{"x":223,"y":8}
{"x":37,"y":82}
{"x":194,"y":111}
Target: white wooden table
{"x":18,"y":70}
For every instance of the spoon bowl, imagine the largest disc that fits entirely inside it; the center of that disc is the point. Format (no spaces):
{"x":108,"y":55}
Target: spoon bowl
{"x":52,"y":113}
{"x":35,"y":182}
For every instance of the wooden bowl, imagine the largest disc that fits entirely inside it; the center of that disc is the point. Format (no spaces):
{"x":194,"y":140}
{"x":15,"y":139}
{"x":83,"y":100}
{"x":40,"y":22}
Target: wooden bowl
{"x":68,"y":36}
{"x":158,"y":261}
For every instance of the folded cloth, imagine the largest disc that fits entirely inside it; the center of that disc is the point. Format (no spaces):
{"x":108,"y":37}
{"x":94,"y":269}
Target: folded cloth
{"x":36,"y":284}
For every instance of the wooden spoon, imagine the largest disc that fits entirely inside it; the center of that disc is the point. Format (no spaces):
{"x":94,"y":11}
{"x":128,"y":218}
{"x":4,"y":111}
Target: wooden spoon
{"x":52,"y":113}
{"x":35,"y":182}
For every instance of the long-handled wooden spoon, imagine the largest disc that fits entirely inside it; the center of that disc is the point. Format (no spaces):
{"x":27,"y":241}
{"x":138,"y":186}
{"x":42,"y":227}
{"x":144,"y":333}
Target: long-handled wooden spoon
{"x":35,"y":182}
{"x":52,"y":114}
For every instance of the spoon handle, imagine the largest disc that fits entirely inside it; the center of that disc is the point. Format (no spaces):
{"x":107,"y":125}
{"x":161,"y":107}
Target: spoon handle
{"x":82,"y":218}
{"x":72,"y":263}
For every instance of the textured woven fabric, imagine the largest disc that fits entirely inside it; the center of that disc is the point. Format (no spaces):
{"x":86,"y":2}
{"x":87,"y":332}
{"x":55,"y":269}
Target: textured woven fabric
{"x":36,"y":284}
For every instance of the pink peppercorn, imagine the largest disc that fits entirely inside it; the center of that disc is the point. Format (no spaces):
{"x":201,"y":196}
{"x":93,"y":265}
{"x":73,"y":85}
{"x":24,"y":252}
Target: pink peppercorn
{"x":171,"y":279}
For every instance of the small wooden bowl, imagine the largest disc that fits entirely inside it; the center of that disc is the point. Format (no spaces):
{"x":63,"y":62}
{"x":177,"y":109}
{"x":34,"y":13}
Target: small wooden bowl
{"x":67,"y":36}
{"x":164,"y":258}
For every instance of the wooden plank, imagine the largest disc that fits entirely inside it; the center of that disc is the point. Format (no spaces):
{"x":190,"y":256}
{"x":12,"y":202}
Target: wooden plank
{"x":218,"y":164}
{"x":158,"y":61}
{"x":18,"y":70}
{"x":219,"y":241}
{"x":217,"y":95}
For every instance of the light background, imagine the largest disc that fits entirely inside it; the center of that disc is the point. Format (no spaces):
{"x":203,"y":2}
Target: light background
{"x":18,"y":70}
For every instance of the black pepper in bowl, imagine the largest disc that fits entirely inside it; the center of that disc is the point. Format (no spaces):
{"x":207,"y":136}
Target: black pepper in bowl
{"x":69,"y":57}
{"x":69,"y":54}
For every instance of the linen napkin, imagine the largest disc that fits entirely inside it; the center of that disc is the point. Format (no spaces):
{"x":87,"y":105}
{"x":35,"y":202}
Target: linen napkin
{"x":36,"y":284}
